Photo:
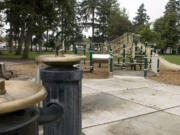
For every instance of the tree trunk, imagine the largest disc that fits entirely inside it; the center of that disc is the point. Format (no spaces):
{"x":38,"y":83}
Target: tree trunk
{"x":31,"y":45}
{"x":36,"y":48}
{"x":47,"y":40}
{"x":40,"y":47}
{"x":10,"y":39}
{"x":27,"y":44}
{"x":21,"y":41}
{"x":93,"y":24}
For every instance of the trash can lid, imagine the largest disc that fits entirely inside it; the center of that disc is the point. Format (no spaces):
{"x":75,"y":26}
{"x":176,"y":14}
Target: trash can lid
{"x":18,"y":95}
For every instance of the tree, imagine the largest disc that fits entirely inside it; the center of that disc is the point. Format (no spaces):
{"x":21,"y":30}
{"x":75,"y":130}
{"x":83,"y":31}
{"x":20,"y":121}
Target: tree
{"x":88,"y":13}
{"x":68,"y":30}
{"x":142,"y":18}
{"x":118,"y":22}
{"x":103,"y":13}
{"x":147,"y":33}
{"x":160,"y":26}
{"x":171,"y":18}
{"x":168,"y":26}
{"x":30,"y":18}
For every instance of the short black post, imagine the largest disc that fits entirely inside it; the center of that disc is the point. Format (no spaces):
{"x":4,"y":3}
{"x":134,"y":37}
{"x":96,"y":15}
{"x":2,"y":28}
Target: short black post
{"x":63,"y":85}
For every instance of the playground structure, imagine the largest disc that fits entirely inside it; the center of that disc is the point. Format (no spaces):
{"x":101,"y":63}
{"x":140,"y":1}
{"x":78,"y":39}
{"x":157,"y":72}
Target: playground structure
{"x":129,"y":46}
{"x":124,"y":51}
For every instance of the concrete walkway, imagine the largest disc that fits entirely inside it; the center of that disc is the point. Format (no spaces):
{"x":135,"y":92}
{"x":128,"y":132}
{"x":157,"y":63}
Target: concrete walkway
{"x":169,"y":65}
{"x":130,"y":105}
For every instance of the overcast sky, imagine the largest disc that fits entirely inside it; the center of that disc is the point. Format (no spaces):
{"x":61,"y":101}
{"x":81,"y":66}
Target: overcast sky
{"x":155,"y":9}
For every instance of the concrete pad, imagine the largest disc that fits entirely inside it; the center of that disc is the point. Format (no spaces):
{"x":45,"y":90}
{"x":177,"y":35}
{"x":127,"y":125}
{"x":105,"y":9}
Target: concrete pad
{"x":156,"y":99}
{"x":101,"y":108}
{"x":175,"y":111}
{"x":152,"y":124}
{"x":139,"y":80}
{"x":132,"y":73}
{"x":86,"y":90}
{"x":169,"y":88}
{"x":114,"y":84}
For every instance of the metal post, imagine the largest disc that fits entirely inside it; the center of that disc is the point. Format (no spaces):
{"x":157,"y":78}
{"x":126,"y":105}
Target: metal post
{"x":119,"y":52}
{"x":124,"y":56}
{"x":152,"y":50}
{"x":91,"y":50}
{"x":75,"y":49}
{"x":100,"y":53}
{"x":136,"y":49}
{"x":84,"y":54}
{"x":155,"y":49}
{"x":152,"y":47}
{"x":118,"y":60}
{"x":158,"y":66}
{"x":145,"y":65}
{"x":111,"y":62}
{"x":146,"y":44}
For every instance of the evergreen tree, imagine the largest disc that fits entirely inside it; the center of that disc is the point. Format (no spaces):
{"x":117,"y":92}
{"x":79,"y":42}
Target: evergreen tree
{"x":30,"y":18}
{"x":147,"y":33}
{"x":118,"y":22}
{"x":168,"y":26}
{"x":160,"y":26}
{"x":103,"y":12}
{"x":88,"y":13}
{"x":142,"y":18}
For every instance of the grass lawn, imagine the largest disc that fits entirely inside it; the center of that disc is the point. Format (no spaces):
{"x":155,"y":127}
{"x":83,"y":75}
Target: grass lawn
{"x":32,"y":55}
{"x":172,"y":58}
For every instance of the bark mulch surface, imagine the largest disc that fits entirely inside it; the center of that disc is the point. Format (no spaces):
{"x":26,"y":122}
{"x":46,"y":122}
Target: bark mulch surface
{"x":29,"y":69}
{"x":23,"y":69}
{"x":167,"y":76}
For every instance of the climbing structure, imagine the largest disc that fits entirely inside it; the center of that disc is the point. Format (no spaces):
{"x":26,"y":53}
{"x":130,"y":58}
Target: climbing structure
{"x":127,"y":51}
{"x":132,"y":51}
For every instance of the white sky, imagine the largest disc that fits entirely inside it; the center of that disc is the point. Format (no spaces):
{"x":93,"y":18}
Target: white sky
{"x":155,"y":9}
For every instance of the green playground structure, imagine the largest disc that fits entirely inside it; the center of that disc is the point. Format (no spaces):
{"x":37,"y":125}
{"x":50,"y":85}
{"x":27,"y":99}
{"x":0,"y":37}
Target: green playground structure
{"x":127,"y":49}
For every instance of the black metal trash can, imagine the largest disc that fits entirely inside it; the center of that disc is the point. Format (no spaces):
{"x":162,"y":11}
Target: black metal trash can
{"x":24,"y":122}
{"x":63,"y":85}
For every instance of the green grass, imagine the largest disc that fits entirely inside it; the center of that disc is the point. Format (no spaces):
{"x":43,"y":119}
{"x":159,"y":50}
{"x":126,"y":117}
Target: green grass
{"x":33,"y":55}
{"x":172,"y":58}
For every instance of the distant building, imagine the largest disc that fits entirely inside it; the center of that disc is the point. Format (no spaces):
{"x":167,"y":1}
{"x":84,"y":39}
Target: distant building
{"x":3,"y":45}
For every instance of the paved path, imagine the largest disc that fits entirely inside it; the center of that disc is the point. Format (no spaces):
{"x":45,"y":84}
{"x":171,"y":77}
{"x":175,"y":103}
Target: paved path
{"x":169,"y":65}
{"x":130,"y":105}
